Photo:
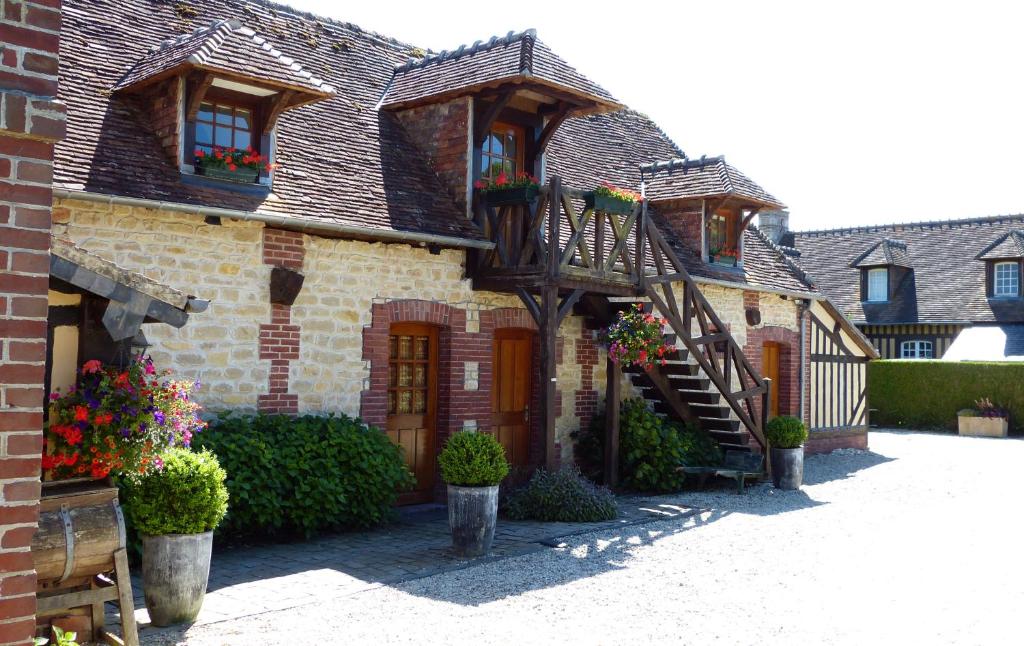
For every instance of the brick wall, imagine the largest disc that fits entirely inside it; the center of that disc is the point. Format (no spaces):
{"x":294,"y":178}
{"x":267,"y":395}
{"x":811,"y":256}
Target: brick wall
{"x":160,"y":102}
{"x":30,"y":122}
{"x":687,"y":227}
{"x":280,"y":339}
{"x":442,"y":132}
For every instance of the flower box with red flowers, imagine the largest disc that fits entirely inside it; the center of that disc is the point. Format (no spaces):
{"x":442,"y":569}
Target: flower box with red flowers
{"x":231,"y":164}
{"x":727,"y":257}
{"x":503,"y":190}
{"x":637,"y":338}
{"x":607,"y":198}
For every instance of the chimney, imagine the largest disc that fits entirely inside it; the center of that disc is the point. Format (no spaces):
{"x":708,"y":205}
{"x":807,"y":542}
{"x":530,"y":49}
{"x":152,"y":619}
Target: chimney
{"x":773,"y":224}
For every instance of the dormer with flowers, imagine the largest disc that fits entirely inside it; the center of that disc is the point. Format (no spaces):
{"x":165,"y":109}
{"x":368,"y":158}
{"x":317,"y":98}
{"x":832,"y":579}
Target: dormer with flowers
{"x":214,"y":97}
{"x":709,"y":204}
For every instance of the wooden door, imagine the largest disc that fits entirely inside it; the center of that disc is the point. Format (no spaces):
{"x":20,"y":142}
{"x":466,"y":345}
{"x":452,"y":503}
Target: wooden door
{"x":770,"y":370}
{"x":412,"y":403}
{"x":510,"y":396}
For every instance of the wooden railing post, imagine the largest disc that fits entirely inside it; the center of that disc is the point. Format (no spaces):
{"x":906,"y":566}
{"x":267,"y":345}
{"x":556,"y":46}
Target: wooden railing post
{"x":612,"y":406}
{"x":548,"y":371}
{"x":641,"y":245}
{"x":554,"y":212}
{"x":766,"y":402}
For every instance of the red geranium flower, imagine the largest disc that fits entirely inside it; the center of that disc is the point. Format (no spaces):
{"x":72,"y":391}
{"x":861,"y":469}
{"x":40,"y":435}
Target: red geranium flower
{"x":502,"y":179}
{"x":91,"y":366}
{"x":81,"y":414}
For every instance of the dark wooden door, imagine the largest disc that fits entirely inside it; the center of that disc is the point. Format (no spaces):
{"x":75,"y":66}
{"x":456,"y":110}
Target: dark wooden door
{"x":770,"y":370}
{"x":510,"y":396}
{"x":412,"y":403}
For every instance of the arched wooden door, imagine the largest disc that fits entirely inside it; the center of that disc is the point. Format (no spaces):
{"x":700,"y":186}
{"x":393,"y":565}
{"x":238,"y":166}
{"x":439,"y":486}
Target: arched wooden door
{"x":510,"y":395}
{"x":770,"y":369}
{"x":412,"y":403}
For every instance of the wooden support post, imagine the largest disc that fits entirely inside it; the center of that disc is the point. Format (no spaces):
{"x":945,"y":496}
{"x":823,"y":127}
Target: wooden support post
{"x":548,"y":371}
{"x":766,"y":402}
{"x":612,"y":406}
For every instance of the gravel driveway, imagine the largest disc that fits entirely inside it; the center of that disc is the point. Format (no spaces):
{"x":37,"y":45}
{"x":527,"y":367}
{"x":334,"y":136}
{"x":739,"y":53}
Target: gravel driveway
{"x":914,"y":542}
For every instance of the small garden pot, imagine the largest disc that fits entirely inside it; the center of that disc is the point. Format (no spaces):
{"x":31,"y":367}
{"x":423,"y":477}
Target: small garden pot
{"x":472,"y":516}
{"x":787,"y":468}
{"x":175,"y":571}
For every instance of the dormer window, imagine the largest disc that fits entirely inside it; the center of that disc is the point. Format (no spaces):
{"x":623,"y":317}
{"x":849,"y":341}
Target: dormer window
{"x":502,"y":151}
{"x":723,"y":233}
{"x":878,"y":285}
{"x":225,"y":125}
{"x":1006,"y":280}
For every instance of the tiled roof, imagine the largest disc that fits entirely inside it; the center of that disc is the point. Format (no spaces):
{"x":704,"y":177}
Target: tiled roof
{"x":705,"y":177}
{"x":612,"y":147}
{"x":515,"y":57}
{"x":1010,"y":245}
{"x":342,"y":161}
{"x":947,"y":280}
{"x":886,"y":252}
{"x":224,"y":45}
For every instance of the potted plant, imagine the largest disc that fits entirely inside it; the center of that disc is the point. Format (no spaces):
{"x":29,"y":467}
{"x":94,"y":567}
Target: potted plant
{"x":727,"y":257}
{"x":472,"y":464}
{"x":231,"y":164}
{"x":984,"y":420}
{"x":786,"y":436}
{"x":636,"y":338}
{"x":503,"y":190}
{"x":175,"y":509}
{"x":608,"y":198}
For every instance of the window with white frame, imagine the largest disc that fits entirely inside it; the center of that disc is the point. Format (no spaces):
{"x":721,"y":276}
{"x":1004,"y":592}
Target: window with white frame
{"x":916,"y":350}
{"x":1005,"y":280}
{"x":878,"y":285}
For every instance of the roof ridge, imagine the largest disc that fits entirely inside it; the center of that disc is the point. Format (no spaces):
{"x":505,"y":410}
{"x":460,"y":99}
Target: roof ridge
{"x":525,"y":60}
{"x":904,"y":226}
{"x":684,"y":163}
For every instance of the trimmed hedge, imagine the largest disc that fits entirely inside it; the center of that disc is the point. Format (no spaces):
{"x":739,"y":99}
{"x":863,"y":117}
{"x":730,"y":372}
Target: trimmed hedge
{"x":300,"y":475}
{"x":927,"y":394}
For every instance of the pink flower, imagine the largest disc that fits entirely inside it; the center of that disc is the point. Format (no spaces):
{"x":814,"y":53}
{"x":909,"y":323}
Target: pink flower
{"x":91,"y":366}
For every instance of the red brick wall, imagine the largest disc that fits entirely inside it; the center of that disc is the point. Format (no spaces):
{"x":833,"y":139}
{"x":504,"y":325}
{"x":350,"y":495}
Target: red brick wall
{"x":587,"y":395}
{"x":687,"y":227}
{"x":442,"y":132}
{"x":161,"y":103}
{"x":30,"y":123}
{"x":279,"y":339}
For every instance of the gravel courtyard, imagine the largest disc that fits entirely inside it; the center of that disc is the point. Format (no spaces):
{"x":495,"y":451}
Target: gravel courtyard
{"x":914,"y":542}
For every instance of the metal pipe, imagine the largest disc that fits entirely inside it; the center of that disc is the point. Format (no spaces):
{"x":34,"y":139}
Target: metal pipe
{"x":313,"y":227}
{"x":803,"y":360}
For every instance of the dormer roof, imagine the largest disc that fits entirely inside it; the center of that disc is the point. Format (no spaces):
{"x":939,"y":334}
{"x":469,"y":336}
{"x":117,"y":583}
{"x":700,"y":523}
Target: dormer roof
{"x":1007,"y":246}
{"x":226,"y":47}
{"x":887,"y":252}
{"x":513,"y":59}
{"x":707,"y":177}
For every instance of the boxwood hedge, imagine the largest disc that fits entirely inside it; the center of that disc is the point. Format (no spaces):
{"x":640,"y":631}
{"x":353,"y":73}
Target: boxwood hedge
{"x":927,"y":394}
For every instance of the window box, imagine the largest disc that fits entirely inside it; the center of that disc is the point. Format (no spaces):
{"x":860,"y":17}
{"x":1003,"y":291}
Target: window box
{"x":241,"y":175}
{"x":507,"y":196}
{"x":609,"y":204}
{"x":728,"y":261}
{"x":982,"y":426}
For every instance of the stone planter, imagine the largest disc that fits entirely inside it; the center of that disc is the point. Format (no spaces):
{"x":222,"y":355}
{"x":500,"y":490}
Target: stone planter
{"x":983,"y":426}
{"x":175,"y":571}
{"x":472,"y":516}
{"x":607,"y":204}
{"x":505,"y":197}
{"x":787,"y":468}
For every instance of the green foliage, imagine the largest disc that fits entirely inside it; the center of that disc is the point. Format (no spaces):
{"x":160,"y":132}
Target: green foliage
{"x":299,"y":475}
{"x":473,"y":460}
{"x":186,"y":496}
{"x":927,"y":394}
{"x":64,"y":637}
{"x":786,"y":432}
{"x":564,"y":496}
{"x":650,"y":449}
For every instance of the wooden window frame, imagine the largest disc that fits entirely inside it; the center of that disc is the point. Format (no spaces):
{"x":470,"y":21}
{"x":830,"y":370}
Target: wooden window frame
{"x":260,"y":141}
{"x":732,"y":235}
{"x":994,"y":291}
{"x":519,"y":134}
{"x":918,"y":345}
{"x":867,"y":285}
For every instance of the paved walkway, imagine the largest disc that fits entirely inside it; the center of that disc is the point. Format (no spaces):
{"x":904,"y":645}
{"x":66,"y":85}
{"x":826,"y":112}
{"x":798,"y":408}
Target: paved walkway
{"x":253,"y":580}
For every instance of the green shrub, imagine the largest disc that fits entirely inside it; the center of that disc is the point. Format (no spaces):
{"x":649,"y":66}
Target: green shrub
{"x":786,"y":432}
{"x":473,"y":460}
{"x":928,"y":394}
{"x":186,"y":496}
{"x":563,"y":496}
{"x":300,"y":475}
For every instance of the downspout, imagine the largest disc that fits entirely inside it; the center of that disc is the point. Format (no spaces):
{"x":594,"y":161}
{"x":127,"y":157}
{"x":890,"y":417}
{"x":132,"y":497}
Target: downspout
{"x":803,"y":305}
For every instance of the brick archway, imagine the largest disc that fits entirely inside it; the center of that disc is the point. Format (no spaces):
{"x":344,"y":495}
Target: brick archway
{"x":789,"y":362}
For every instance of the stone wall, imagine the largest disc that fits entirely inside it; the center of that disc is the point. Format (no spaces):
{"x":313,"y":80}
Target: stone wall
{"x":30,"y":122}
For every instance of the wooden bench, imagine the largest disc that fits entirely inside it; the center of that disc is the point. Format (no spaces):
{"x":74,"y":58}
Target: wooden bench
{"x":738,"y":465}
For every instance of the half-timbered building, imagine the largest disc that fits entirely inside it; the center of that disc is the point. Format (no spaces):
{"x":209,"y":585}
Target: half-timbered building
{"x":363,"y":273}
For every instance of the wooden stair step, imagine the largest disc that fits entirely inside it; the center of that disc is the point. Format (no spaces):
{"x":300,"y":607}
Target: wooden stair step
{"x":718,"y":424}
{"x":708,"y":397}
{"x":737,"y":438}
{"x":734,"y":447}
{"x":671,"y":368}
{"x":690,"y":383}
{"x":717,"y":411}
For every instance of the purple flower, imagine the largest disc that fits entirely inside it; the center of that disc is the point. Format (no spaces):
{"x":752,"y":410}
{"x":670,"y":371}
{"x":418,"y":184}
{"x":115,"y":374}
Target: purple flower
{"x":159,"y":417}
{"x":125,"y":432}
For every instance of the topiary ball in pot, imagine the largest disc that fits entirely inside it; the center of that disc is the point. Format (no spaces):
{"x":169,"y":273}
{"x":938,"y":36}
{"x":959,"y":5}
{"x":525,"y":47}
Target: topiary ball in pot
{"x":175,"y":508}
{"x":786,"y":436}
{"x":473,"y":464}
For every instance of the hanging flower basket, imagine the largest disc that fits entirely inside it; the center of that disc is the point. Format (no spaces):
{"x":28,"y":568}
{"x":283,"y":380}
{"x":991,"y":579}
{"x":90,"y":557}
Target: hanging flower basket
{"x":231,"y":164}
{"x":636,"y":338}
{"x":117,"y":422}
{"x":607,"y":198}
{"x":503,"y":190}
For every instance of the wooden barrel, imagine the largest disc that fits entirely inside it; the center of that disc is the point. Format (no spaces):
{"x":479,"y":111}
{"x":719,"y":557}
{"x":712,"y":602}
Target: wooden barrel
{"x":80,"y":528}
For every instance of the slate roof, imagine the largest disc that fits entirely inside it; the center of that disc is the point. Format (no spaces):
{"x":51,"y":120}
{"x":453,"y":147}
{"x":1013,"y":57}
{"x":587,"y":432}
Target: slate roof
{"x":515,"y":57}
{"x":224,"y":45}
{"x":887,"y":252}
{"x":612,"y":147}
{"x":1008,"y":246}
{"x":946,"y":282}
{"x":707,"y":177}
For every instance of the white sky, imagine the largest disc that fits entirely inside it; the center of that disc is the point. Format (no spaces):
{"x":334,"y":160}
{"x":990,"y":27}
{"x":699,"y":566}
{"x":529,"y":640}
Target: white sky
{"x":850,"y":113}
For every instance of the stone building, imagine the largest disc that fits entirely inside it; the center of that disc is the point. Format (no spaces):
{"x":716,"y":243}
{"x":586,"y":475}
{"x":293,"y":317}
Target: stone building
{"x":365,"y":274}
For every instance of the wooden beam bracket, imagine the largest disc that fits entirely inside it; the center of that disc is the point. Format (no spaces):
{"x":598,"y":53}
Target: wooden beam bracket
{"x":198,"y":94}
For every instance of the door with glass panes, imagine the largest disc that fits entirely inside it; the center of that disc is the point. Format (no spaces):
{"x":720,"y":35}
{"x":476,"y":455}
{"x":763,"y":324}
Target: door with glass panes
{"x":412,"y":402}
